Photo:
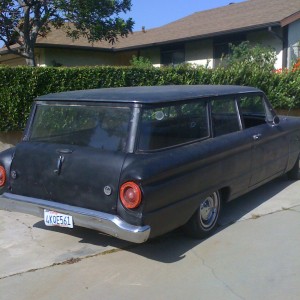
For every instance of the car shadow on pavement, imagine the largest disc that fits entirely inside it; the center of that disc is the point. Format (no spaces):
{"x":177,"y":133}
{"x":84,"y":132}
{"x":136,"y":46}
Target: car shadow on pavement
{"x":172,"y":247}
{"x":86,"y":236}
{"x":236,"y":209}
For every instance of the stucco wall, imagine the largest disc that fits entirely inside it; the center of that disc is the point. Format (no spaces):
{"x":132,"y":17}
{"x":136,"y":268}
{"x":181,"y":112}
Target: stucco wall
{"x":123,"y":58}
{"x":293,"y":42}
{"x":199,"y":53}
{"x":153,"y":54}
{"x":12,"y":60}
{"x":72,"y":57}
{"x":266,"y":38}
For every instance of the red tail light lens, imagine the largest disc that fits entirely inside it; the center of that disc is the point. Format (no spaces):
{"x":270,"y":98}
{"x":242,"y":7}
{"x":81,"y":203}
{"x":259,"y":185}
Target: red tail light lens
{"x":2,"y":176}
{"x":130,"y":195}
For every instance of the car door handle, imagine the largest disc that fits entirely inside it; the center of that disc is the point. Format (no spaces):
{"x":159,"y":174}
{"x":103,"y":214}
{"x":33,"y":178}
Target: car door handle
{"x":59,"y":164}
{"x":257,"y":137}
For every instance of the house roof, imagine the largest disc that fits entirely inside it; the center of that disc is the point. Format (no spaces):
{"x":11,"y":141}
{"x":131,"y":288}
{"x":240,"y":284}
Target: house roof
{"x":149,"y":94}
{"x":233,"y":18}
{"x":238,"y":17}
{"x":244,"y":16}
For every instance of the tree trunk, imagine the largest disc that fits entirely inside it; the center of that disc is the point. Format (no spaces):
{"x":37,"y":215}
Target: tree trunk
{"x":30,"y":60}
{"x":29,"y":54}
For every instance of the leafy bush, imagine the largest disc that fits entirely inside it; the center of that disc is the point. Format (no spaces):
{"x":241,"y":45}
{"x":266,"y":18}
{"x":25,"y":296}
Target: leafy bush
{"x":19,"y":86}
{"x":141,"y":62}
{"x":251,"y":55}
{"x":296,"y":65}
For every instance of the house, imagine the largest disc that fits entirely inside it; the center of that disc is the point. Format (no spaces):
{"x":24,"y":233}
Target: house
{"x":201,"y":38}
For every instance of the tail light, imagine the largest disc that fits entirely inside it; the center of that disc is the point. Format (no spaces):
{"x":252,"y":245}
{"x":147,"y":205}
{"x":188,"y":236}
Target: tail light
{"x":2,"y":176}
{"x":130,"y":195}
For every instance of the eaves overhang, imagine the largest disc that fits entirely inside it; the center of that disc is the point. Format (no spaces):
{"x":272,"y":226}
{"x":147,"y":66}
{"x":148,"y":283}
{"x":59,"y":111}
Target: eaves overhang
{"x":290,"y":19}
{"x":78,"y":47}
{"x":200,"y":37}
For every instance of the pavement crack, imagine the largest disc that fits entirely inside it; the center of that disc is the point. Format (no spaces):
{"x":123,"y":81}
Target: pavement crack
{"x":291,"y":209}
{"x":257,"y":216}
{"x":28,"y":227}
{"x":73,"y":260}
{"x":218,"y":278}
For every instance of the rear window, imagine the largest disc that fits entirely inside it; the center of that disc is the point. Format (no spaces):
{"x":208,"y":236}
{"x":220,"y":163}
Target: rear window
{"x":100,"y":127}
{"x":168,"y":126}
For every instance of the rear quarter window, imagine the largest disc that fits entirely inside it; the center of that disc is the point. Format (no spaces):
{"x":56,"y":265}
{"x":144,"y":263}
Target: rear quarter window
{"x":225,"y":117}
{"x":168,"y":126}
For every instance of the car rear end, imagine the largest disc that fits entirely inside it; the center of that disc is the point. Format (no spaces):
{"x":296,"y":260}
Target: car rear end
{"x":67,"y":168}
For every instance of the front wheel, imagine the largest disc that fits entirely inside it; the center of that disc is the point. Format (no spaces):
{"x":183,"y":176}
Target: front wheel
{"x":294,"y":173}
{"x":204,"y":220}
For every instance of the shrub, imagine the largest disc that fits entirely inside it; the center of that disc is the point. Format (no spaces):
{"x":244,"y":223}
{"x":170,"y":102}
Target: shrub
{"x":20,"y":85}
{"x":252,"y":55}
{"x":297,"y":65}
{"x":141,"y":62}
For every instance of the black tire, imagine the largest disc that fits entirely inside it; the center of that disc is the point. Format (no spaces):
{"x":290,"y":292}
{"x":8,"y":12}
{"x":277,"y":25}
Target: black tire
{"x":294,"y":173}
{"x":204,"y":221}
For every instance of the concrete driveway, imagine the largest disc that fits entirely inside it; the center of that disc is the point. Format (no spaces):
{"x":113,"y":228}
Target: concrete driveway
{"x":254,"y":255}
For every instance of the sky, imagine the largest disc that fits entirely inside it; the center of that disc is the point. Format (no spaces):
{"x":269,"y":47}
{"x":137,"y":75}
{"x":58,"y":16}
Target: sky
{"x":155,"y":13}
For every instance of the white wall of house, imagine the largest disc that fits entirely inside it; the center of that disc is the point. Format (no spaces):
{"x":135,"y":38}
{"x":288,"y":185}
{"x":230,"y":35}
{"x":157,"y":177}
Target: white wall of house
{"x":74,"y":57}
{"x":123,"y":58}
{"x":268,"y":39}
{"x":196,"y":53}
{"x":12,"y":60}
{"x":199,"y":53}
{"x":153,"y":54}
{"x":293,"y":42}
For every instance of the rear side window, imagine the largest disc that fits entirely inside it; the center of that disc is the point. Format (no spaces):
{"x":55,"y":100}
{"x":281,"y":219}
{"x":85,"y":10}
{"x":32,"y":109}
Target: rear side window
{"x":169,"y":126}
{"x":100,"y":127}
{"x":224,"y":116}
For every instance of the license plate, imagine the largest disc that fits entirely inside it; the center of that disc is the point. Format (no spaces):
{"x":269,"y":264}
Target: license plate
{"x":53,"y":218}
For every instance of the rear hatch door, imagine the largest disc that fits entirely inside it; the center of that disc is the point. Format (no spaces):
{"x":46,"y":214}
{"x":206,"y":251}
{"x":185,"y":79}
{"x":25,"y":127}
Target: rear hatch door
{"x":75,"y":159}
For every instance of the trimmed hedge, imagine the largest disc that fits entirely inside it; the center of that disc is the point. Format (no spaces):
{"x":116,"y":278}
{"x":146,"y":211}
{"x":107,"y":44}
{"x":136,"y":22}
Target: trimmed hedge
{"x":20,"y":85}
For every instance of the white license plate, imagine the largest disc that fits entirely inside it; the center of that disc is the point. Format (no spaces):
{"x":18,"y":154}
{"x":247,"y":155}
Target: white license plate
{"x":53,"y":218}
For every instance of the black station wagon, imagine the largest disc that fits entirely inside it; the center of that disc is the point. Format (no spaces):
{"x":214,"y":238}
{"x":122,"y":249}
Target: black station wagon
{"x":138,"y":162}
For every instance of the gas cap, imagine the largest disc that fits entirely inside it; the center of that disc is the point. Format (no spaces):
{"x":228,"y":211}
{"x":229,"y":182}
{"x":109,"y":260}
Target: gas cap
{"x":107,"y":190}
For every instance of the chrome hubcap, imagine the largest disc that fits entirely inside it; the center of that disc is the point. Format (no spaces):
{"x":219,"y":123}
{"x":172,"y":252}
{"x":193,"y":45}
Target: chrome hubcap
{"x":209,"y":210}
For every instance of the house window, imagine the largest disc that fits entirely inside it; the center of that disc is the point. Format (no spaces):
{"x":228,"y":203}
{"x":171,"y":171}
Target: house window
{"x":172,"y":56}
{"x":222,"y":47}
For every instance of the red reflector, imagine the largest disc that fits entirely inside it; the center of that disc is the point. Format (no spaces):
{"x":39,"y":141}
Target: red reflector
{"x":130,"y":195}
{"x":2,"y":176}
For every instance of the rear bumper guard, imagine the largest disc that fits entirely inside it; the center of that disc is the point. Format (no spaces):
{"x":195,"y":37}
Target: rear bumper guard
{"x":103,"y":222}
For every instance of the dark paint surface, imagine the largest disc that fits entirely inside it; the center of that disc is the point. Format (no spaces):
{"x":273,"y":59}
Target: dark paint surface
{"x":148,"y":94}
{"x":84,"y":174}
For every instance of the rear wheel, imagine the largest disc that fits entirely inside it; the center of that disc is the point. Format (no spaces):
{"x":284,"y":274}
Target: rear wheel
{"x":294,"y":173}
{"x":204,"y":220}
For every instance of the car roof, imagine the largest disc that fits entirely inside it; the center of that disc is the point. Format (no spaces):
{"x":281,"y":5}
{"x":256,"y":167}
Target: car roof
{"x":148,"y":94}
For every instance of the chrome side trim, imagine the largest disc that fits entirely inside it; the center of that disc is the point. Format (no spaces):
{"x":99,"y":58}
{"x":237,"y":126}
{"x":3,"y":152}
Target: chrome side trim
{"x":106,"y":223}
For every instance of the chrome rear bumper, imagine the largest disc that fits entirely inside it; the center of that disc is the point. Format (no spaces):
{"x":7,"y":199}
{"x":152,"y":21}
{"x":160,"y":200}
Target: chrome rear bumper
{"x":106,"y":223}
